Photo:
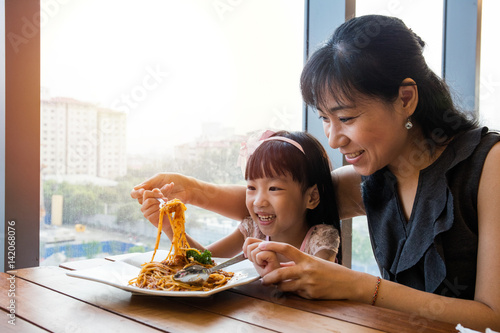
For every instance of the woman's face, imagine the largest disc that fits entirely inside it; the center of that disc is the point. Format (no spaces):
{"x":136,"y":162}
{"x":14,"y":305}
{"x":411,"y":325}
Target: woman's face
{"x":369,"y":133}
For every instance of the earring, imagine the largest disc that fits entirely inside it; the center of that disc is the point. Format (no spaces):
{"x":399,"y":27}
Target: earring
{"x":408,"y":124}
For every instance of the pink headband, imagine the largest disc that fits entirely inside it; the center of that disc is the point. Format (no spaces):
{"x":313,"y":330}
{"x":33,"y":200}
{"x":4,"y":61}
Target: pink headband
{"x":290,"y":141}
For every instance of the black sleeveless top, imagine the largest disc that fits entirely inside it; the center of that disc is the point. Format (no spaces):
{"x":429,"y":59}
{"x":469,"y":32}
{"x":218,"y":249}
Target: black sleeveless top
{"x":436,"y":250}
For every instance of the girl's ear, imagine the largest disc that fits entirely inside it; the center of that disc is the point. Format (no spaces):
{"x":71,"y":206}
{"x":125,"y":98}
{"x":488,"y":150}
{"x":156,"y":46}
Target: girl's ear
{"x":312,"y":195}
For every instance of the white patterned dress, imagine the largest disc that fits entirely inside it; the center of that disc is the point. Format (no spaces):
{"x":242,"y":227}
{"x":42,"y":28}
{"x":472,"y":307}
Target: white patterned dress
{"x":319,"y":237}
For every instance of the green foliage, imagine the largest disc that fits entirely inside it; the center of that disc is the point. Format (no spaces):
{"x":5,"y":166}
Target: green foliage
{"x":128,"y":212}
{"x":362,"y":251}
{"x":82,"y":201}
{"x":78,"y":200}
{"x":137,"y":249}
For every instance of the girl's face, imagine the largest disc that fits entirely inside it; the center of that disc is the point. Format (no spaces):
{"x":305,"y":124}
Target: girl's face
{"x":369,"y":133}
{"x":278,"y":206}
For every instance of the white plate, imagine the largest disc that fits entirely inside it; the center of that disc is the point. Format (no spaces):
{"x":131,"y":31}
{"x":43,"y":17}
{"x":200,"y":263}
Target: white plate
{"x":119,"y":273}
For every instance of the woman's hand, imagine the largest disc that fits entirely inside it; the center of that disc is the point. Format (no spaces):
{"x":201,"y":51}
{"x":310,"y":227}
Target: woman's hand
{"x":171,"y":185}
{"x":309,"y":277}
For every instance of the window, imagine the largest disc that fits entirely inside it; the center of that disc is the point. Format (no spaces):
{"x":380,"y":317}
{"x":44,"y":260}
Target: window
{"x":489,"y":93}
{"x":145,"y":87}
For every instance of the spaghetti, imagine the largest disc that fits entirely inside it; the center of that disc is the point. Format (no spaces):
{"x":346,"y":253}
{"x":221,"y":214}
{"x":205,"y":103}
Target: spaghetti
{"x":159,"y":275}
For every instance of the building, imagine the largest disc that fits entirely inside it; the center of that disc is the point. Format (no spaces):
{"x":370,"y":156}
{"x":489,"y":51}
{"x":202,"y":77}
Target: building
{"x":111,"y":147}
{"x":79,"y":138}
{"x":214,"y":138}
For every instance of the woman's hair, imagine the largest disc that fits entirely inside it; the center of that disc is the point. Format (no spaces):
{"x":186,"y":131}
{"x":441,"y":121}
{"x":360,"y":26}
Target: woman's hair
{"x":371,"y":55}
{"x":279,"y":158}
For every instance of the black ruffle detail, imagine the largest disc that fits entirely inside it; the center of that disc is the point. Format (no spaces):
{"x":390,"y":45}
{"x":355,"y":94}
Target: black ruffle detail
{"x":411,"y":253}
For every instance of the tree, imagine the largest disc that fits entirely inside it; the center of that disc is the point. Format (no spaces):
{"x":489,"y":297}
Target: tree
{"x":128,"y":212}
{"x":78,"y":200}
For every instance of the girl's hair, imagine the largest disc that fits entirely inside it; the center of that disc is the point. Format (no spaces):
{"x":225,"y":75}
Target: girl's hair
{"x":371,"y":55}
{"x":276,"y":158}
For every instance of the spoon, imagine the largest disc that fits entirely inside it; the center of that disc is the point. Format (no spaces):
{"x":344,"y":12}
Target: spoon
{"x":198,"y":274}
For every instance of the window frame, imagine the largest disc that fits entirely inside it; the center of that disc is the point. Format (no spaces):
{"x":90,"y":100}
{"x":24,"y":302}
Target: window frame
{"x":22,"y":134}
{"x":462,"y":50}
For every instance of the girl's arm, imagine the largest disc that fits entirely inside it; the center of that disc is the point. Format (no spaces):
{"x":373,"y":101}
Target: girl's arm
{"x":226,"y":247}
{"x":226,"y":200}
{"x":229,"y":246}
{"x":347,"y":184}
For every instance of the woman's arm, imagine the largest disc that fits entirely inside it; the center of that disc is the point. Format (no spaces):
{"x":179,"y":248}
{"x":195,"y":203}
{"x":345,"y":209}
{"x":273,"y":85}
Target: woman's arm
{"x":226,"y":200}
{"x":267,"y":261}
{"x":488,"y":259}
{"x":347,"y":184}
{"x":311,"y":277}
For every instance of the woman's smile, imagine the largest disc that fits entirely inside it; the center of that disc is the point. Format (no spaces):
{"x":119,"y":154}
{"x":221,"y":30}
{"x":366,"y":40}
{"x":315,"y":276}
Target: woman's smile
{"x":353,"y":158}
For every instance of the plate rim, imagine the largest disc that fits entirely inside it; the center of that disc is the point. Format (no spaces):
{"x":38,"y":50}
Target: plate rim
{"x":249,"y":270}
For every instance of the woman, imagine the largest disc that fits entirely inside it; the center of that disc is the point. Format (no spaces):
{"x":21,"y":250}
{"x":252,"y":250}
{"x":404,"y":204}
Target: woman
{"x":425,"y":175}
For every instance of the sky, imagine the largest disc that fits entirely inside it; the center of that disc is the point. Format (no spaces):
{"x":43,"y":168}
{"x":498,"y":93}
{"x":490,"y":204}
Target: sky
{"x":173,"y":65}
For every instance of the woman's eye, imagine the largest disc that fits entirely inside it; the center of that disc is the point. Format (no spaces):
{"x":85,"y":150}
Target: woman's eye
{"x":324,"y":119}
{"x":345,"y":119}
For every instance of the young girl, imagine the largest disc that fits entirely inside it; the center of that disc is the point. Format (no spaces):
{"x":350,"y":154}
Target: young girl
{"x":289,"y":194}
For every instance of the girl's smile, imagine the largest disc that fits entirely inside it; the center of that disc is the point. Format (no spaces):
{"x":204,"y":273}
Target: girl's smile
{"x":266,"y":219}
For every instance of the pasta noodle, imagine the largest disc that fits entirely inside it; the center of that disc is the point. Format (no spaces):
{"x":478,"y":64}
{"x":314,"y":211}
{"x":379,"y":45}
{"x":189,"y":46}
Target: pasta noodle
{"x":159,"y":275}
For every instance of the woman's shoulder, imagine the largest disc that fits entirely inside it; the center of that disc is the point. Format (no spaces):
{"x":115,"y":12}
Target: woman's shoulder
{"x":492,"y":141}
{"x":474,"y":146}
{"x":492,"y":160}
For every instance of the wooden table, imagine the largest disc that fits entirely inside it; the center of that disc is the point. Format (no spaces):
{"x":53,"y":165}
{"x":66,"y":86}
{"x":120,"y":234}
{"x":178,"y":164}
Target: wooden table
{"x":46,"y":299}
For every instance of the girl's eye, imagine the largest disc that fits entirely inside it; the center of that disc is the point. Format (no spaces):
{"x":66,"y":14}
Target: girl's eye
{"x":250,"y":188}
{"x":274,"y":188}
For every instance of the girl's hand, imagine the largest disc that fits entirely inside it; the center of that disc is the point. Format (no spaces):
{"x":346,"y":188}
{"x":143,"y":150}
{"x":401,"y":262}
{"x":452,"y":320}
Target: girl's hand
{"x":263,"y":261}
{"x":309,"y":277}
{"x":172,"y":185}
{"x":151,"y":209}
